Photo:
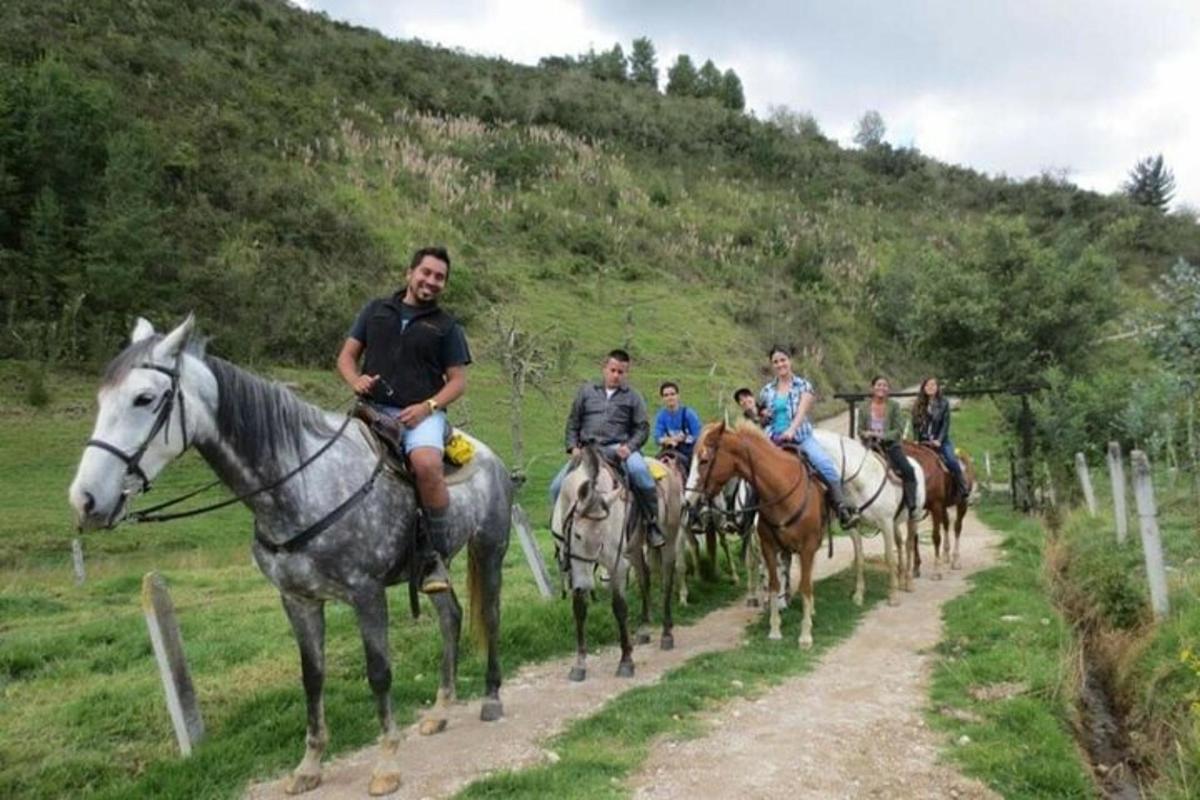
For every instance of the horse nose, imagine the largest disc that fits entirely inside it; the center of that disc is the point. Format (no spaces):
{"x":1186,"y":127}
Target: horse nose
{"x":89,"y":503}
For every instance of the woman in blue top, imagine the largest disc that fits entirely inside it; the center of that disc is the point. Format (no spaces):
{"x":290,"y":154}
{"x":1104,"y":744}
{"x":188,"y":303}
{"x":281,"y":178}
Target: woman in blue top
{"x":786,"y":402}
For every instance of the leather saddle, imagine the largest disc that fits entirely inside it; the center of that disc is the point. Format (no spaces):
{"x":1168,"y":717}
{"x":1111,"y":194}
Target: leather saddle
{"x":387,"y":437}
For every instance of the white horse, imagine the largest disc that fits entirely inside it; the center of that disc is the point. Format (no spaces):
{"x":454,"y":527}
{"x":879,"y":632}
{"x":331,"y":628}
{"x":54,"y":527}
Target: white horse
{"x":879,"y":497}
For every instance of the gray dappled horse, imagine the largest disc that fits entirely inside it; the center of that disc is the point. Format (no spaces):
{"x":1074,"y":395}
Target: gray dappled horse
{"x":593,"y":520}
{"x":162,"y":395}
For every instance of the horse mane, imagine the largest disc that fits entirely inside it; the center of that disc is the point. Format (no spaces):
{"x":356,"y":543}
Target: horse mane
{"x":262,"y":419}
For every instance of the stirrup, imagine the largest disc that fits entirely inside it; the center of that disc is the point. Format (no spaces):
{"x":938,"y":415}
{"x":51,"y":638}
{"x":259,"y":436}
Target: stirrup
{"x":654,"y":534}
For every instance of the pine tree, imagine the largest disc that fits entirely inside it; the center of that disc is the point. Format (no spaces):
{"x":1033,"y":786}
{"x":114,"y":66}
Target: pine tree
{"x":643,"y":65}
{"x":682,"y":78}
{"x":708,"y":80}
{"x":732,"y":95}
{"x":1151,"y":183}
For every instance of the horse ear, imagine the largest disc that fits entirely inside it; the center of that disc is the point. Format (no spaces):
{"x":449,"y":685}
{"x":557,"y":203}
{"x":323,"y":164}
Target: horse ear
{"x":174,"y":342}
{"x":142,"y":329}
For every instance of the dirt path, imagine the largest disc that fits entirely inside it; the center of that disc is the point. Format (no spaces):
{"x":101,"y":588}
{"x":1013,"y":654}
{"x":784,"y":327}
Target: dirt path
{"x":851,"y":728}
{"x":539,"y":702}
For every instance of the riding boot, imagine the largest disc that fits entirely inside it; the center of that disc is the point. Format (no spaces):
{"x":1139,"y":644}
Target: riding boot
{"x":435,"y":577}
{"x":910,"y":498}
{"x":847,"y":514}
{"x":648,"y":506}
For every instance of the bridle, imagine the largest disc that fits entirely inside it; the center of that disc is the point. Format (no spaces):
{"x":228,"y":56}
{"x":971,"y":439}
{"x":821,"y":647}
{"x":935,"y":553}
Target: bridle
{"x":162,"y":422}
{"x":706,"y":469}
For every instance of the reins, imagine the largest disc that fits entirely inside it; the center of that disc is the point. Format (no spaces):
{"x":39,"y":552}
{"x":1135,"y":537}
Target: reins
{"x":162,"y":422}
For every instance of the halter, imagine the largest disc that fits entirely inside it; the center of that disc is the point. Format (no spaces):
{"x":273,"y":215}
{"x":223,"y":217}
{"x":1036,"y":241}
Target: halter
{"x":566,"y":553}
{"x":162,"y":422}
{"x":800,"y":479}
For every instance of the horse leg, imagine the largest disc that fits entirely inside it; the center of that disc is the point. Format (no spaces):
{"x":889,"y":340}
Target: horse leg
{"x":769,"y":558}
{"x":710,"y":546}
{"x":486,"y":570}
{"x":752,"y":558}
{"x":806,"y":557}
{"x":860,"y":581}
{"x":910,"y":558}
{"x":307,"y":618}
{"x":372,"y":612}
{"x":729,"y":560}
{"x":641,"y":570}
{"x":681,"y":545}
{"x":915,"y":540}
{"x":942,"y":526}
{"x":621,"y":611}
{"x":450,"y":622}
{"x":893,"y":552}
{"x":579,"y":605}
{"x":955,"y":560}
{"x":667,"y":642}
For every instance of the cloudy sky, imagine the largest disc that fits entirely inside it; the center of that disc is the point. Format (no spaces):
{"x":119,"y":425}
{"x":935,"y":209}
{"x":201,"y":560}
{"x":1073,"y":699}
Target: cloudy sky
{"x":1016,"y":87}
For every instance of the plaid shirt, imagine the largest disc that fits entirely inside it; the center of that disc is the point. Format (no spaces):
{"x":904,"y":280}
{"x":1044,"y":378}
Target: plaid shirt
{"x":766,"y":398}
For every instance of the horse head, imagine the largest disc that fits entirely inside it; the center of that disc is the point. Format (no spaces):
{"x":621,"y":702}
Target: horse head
{"x":714,"y":462}
{"x":147,"y":416}
{"x":594,"y":515}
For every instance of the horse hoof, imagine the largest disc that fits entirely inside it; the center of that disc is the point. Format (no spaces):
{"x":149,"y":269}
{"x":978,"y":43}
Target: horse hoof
{"x":491,"y":711}
{"x":956,"y":565}
{"x":806,"y":643}
{"x":752,"y":602}
{"x":858,"y":599}
{"x":667,"y":642}
{"x":577,"y":674}
{"x":893,"y":600}
{"x":430,"y":726}
{"x":937,"y":576}
{"x":384,"y":783}
{"x":916,"y":572}
{"x":643,"y":638}
{"x":774,"y":636}
{"x":625,"y":669}
{"x":299,"y":783}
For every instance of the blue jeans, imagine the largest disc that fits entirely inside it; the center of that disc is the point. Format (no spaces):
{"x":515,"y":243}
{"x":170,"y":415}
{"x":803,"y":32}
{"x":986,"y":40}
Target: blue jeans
{"x":820,"y":461}
{"x":635,"y":468}
{"x":947,"y":451}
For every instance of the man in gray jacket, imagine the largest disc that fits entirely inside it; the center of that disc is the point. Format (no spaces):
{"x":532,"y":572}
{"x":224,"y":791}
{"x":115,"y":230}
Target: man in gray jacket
{"x":612,"y":415}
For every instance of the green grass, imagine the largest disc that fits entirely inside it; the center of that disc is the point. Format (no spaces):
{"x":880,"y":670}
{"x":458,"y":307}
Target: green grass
{"x":598,"y":753}
{"x":81,"y":708}
{"x":1006,"y":631}
{"x":1155,"y":666}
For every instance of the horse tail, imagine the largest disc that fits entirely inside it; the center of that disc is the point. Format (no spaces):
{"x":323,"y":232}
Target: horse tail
{"x":476,"y":599}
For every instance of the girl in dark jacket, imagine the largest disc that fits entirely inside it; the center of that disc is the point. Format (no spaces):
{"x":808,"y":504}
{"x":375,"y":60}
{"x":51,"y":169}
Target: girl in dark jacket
{"x":931,"y":425}
{"x":881,"y":424}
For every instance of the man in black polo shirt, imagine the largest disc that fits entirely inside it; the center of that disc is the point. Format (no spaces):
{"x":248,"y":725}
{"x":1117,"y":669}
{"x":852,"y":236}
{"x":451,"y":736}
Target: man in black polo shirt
{"x":414,"y":364}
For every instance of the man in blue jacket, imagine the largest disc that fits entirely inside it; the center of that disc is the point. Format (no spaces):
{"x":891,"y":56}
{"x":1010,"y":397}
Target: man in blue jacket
{"x":676,"y":427}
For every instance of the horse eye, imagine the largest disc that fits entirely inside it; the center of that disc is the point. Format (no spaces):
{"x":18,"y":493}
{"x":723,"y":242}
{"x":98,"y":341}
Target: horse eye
{"x":144,"y":399}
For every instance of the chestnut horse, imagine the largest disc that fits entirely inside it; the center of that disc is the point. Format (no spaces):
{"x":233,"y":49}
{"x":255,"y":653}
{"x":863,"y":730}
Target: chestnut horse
{"x":940,"y":495}
{"x":792,"y":514}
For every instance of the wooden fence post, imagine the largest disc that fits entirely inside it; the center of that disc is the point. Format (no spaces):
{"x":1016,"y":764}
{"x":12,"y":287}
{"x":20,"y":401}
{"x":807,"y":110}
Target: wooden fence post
{"x":987,"y":466}
{"x":1085,"y":480}
{"x":533,"y":555}
{"x":77,"y":561}
{"x":172,"y":665}
{"x":1051,"y":495}
{"x":1156,"y":572}
{"x":1116,"y":473}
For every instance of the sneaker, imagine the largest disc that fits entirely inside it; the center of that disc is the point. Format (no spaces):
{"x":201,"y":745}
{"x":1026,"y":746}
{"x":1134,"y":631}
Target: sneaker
{"x":437,"y":578}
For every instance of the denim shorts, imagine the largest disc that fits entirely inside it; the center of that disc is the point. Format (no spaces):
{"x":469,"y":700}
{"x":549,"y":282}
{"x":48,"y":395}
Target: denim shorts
{"x":430,"y":432}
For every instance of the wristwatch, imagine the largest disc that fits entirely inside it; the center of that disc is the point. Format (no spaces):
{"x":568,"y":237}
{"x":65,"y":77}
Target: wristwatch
{"x":433,"y":405}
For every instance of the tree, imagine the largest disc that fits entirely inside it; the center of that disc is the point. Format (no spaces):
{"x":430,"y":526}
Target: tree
{"x":643,"y":64}
{"x":682,"y":80}
{"x":1151,"y":183}
{"x":795,"y":123}
{"x":708,"y":80}
{"x":732,"y":95}
{"x":609,"y":65}
{"x":871,"y":129}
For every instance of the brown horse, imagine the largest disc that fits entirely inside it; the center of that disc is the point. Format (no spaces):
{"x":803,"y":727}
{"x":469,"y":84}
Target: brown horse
{"x":940,"y":495}
{"x":792,"y":515}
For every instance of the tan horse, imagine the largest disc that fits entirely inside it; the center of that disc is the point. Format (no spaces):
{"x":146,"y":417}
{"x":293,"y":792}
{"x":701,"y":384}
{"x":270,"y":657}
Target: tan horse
{"x":940,"y":496}
{"x":792,"y":515}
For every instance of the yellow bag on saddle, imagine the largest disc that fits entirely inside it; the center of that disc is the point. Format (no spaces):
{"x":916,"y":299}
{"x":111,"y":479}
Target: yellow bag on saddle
{"x":658,"y":470}
{"x":459,"y":449}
